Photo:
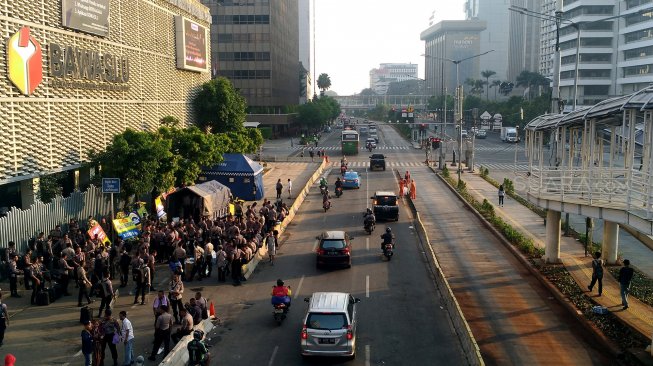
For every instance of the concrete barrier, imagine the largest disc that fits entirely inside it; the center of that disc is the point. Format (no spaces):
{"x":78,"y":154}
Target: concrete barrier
{"x":249,"y":268}
{"x":179,"y":355}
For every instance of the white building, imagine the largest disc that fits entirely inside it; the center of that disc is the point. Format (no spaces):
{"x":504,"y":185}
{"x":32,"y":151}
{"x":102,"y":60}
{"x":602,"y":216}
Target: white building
{"x":306,"y":48}
{"x":381,"y":78}
{"x":547,"y":38}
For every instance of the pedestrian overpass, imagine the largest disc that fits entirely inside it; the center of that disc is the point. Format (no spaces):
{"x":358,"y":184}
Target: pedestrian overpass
{"x":366,"y":102}
{"x":597,"y":162}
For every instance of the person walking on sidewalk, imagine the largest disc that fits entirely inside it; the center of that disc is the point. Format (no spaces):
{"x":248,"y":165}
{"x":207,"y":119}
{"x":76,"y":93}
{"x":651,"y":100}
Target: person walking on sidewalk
{"x":279,"y":188}
{"x":597,"y":272}
{"x":271,"y":242}
{"x":625,"y":276}
{"x":289,"y":188}
{"x":502,"y":193}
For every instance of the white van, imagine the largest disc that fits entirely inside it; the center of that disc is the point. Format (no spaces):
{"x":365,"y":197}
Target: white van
{"x":330,"y":325}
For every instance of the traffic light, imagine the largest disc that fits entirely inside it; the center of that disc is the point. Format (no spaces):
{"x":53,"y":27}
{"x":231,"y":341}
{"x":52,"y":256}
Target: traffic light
{"x":435,"y":143}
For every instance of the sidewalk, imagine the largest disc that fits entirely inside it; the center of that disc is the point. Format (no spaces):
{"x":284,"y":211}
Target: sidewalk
{"x":638,"y":316}
{"x":629,"y":246}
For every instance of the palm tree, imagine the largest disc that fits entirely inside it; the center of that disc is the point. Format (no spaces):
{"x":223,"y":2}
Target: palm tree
{"x":476,"y":85}
{"x":495,"y":84}
{"x":528,"y":79}
{"x":323,"y":83}
{"x":487,"y":74}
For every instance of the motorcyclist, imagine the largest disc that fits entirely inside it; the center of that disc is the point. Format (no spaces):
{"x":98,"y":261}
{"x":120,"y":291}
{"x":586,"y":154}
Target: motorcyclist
{"x":323,"y":182}
{"x":388,"y":238}
{"x":369,"y":217}
{"x":198,"y":353}
{"x":338,"y":184}
{"x":281,"y":294}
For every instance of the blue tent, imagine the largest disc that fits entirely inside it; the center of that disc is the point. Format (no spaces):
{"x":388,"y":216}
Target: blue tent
{"x":243,"y":176}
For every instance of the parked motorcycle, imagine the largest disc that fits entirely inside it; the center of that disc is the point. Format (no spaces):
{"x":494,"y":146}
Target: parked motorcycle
{"x":338,"y":192}
{"x":388,"y":251}
{"x":280,"y":311}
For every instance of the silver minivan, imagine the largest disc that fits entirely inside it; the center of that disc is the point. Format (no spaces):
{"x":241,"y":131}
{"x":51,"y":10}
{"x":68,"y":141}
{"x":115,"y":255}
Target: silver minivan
{"x":329,"y":327}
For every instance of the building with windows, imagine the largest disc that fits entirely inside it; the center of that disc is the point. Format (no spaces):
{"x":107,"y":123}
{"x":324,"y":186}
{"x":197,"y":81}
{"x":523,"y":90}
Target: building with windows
{"x":524,"y":47}
{"x":495,"y":36}
{"x":306,"y":49}
{"x":72,"y":77}
{"x":387,"y":73}
{"x":453,"y":40}
{"x":547,"y":38}
{"x":255,"y":44}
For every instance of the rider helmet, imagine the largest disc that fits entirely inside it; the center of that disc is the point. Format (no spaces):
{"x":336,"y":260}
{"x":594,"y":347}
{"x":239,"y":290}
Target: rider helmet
{"x":280,"y":282}
{"x":369,"y":210}
{"x":388,"y":230}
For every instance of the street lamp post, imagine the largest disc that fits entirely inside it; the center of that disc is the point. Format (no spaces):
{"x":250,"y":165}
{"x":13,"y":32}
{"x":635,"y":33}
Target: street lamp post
{"x":459,"y":104}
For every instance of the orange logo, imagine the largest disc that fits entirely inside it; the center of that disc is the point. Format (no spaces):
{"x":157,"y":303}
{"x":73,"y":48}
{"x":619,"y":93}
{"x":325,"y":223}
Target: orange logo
{"x":24,"y":61}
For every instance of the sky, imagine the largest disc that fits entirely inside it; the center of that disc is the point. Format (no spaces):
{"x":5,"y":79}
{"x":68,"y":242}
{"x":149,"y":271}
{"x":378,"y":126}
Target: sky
{"x":354,"y":36}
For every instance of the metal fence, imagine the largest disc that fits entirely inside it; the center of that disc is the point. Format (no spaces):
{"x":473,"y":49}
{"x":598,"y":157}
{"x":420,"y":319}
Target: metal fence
{"x":20,"y":226}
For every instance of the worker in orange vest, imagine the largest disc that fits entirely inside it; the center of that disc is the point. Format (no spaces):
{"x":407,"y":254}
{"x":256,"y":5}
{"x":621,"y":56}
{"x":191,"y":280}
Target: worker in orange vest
{"x":413,"y":190}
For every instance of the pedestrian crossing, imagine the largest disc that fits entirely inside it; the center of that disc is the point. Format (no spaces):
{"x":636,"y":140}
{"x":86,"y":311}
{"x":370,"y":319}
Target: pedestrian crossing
{"x":502,"y":166}
{"x":388,"y":164}
{"x":338,"y":148}
{"x":498,"y":148}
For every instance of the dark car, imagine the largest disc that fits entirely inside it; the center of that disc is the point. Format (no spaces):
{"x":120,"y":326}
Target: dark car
{"x":377,"y":161}
{"x":385,"y":206}
{"x":334,"y":250}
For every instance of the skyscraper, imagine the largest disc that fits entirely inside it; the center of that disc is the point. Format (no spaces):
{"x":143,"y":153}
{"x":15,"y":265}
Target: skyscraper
{"x":255,"y":44}
{"x":306,"y":48}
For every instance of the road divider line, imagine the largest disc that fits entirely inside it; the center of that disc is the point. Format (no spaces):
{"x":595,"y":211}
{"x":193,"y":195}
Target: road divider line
{"x":274,"y":354}
{"x":367,"y":355}
{"x":299,"y":287}
{"x":315,"y":244}
{"x":367,"y":244}
{"x":367,"y":286}
{"x":79,"y":353}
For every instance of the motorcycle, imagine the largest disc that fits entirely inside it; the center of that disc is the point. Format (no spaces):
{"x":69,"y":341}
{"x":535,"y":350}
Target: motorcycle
{"x":369,"y":227}
{"x":280,"y":311}
{"x":338,"y":192}
{"x":388,"y":251}
{"x":343,"y":169}
{"x":369,"y":147}
{"x":326,"y":205}
{"x":323,"y":190}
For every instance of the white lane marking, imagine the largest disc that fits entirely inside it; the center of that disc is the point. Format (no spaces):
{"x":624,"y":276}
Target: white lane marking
{"x":367,"y":355}
{"x":274,"y":354}
{"x":315,"y":245}
{"x":367,"y":286}
{"x":299,"y":287}
{"x":367,"y":243}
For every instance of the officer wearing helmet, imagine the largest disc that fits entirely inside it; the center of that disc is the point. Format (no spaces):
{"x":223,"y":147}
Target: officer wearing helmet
{"x":198,"y":353}
{"x":388,"y":238}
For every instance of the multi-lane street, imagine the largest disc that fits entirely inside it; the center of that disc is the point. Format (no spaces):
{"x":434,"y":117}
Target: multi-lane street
{"x":401,"y":320}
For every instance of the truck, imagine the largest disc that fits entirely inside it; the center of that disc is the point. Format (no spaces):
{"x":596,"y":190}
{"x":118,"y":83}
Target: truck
{"x":509,"y":134}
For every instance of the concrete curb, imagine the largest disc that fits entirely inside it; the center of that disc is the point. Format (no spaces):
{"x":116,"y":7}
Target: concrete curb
{"x":178,"y":355}
{"x":249,"y":268}
{"x":595,"y":332}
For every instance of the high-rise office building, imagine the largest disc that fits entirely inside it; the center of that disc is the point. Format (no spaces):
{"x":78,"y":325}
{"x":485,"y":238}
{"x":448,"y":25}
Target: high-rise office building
{"x":306,"y":49}
{"x":547,"y":37}
{"x":255,"y":44}
{"x":524,"y":47}
{"x":496,"y":35}
{"x":387,"y":73}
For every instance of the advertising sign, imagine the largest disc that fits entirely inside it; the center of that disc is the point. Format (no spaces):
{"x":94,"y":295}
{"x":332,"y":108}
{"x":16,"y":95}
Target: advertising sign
{"x":126,"y":228}
{"x":97,"y":230}
{"x":89,"y":16}
{"x":191,"y":40}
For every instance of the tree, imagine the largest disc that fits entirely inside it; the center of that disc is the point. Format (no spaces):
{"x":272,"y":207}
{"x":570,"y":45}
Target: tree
{"x":195,"y":149}
{"x":495,"y":84}
{"x":142,"y":160}
{"x":169,"y":121}
{"x":219,"y":107}
{"x":487,"y":74}
{"x":476,"y":85}
{"x":323,"y":83}
{"x":405,"y":87}
{"x":528,"y":79}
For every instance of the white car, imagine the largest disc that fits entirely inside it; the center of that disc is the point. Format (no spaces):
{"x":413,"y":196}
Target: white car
{"x":371,"y":141}
{"x":463,"y":133}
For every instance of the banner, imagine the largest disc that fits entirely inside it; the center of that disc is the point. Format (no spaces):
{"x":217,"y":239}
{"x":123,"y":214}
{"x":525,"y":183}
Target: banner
{"x":159,"y":207}
{"x":97,"y":230}
{"x":126,"y":228}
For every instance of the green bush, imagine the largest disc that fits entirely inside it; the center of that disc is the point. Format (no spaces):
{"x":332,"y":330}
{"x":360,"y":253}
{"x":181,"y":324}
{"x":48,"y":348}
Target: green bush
{"x":445,"y":172}
{"x":508,"y":186}
{"x":461,"y":186}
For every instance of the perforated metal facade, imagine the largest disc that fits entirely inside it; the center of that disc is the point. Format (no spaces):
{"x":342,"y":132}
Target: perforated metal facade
{"x":53,"y":128}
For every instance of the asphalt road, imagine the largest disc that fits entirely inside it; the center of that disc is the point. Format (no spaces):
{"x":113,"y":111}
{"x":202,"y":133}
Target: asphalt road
{"x":401,"y":320}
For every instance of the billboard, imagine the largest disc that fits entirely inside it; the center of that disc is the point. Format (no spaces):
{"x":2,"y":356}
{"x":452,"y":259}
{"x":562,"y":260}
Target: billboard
{"x":191,"y":40}
{"x":89,"y":16}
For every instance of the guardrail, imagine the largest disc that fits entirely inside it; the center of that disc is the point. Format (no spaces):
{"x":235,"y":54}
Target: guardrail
{"x":178,"y":355}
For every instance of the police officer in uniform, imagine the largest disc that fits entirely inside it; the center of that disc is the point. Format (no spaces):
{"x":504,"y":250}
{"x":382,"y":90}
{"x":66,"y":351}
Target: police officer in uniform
{"x":13,"y":275}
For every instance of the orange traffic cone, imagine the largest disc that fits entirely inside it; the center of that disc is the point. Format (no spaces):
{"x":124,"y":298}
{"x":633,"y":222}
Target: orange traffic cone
{"x":212,"y":311}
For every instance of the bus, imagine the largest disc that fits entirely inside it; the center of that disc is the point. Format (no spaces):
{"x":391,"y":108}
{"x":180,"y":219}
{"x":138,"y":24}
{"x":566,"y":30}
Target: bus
{"x":349,"y":142}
